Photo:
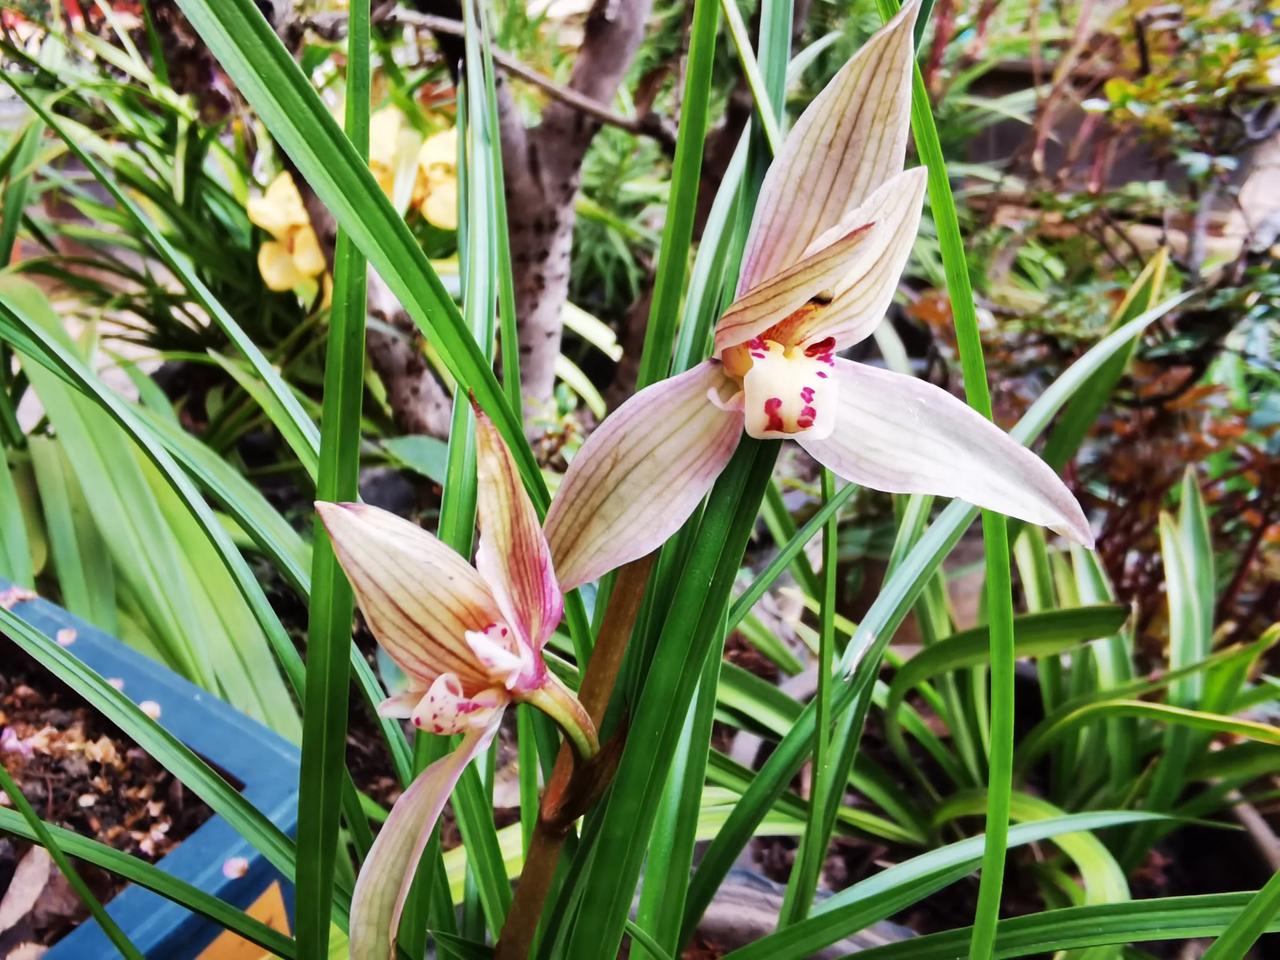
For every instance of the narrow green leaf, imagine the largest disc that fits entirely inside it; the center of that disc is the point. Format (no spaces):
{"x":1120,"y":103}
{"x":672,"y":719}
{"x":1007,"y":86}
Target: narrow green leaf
{"x":788,"y":552}
{"x":828,"y":785}
{"x":153,"y":878}
{"x":686,"y":171}
{"x":690,"y":632}
{"x":1140,"y":921}
{"x":15,"y":549}
{"x":182,"y":268}
{"x":1072,"y":427}
{"x":897,"y":887}
{"x":1260,"y":913}
{"x":332,"y":603}
{"x":86,"y":580}
{"x":17,"y":185}
{"x":1038,"y":635}
{"x":999,"y":580}
{"x":167,"y":750}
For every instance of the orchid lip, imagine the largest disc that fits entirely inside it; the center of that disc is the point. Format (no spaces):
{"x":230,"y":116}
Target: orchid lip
{"x":787,"y":391}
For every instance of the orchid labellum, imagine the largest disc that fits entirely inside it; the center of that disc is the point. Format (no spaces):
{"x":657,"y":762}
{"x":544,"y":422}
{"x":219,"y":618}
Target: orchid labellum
{"x":832,"y":230}
{"x":469,"y":639}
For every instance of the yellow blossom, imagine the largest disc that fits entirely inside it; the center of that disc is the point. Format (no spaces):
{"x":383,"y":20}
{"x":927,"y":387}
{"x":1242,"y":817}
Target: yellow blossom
{"x":292,"y":256}
{"x":393,"y":152}
{"x":436,"y":192}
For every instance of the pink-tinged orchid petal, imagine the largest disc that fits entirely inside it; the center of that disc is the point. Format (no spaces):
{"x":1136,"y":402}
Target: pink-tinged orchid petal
{"x":902,"y":435}
{"x":861,"y":298}
{"x":446,"y":707}
{"x":505,"y":662}
{"x":513,"y":556}
{"x":387,"y":873}
{"x":400,"y":706}
{"x":814,"y":278}
{"x":418,"y":596}
{"x":641,"y":474}
{"x":849,"y":141}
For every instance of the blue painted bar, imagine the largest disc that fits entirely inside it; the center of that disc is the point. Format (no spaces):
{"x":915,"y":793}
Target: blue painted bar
{"x":261,"y":759}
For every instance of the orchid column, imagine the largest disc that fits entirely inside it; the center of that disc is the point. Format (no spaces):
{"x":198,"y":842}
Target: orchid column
{"x":470,"y":641}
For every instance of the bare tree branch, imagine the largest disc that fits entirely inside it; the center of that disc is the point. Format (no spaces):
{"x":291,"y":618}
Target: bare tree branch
{"x":333,"y":26}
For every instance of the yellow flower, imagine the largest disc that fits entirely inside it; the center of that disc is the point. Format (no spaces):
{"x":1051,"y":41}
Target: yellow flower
{"x":292,"y":256}
{"x":393,"y":149}
{"x":436,"y":192}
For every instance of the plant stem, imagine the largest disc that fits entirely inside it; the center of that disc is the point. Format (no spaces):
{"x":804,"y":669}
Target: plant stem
{"x":566,"y":792}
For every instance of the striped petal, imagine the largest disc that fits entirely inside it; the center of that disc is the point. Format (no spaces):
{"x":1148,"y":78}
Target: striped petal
{"x":387,"y":873}
{"x":863,"y":294}
{"x":513,"y":556}
{"x":849,"y":141}
{"x":902,"y":435}
{"x":418,"y":596}
{"x":793,"y":290}
{"x":641,"y":474}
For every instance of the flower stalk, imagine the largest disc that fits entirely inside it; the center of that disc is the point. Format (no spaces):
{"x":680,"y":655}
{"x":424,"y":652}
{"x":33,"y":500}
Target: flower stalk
{"x":573,"y":787}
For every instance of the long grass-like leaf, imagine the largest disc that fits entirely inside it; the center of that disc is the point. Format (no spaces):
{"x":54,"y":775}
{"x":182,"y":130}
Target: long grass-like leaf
{"x":999,"y":579}
{"x":673,"y":257}
{"x":807,"y":868}
{"x":691,"y":631}
{"x":1262,"y":911}
{"x":332,"y":602}
{"x":167,"y":750}
{"x":1139,"y":921}
{"x":301,"y":426}
{"x":153,"y":878}
{"x":902,"y":884}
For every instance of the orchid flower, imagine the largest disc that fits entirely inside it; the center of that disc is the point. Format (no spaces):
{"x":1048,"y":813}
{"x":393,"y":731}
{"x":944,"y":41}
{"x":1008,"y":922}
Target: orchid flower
{"x":436,"y":192}
{"x":470,"y":641}
{"x":832,"y":230}
{"x":393,"y":155}
{"x":292,"y":256}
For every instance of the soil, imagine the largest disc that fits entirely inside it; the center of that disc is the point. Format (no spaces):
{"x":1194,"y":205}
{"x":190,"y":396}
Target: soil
{"x":81,"y":772}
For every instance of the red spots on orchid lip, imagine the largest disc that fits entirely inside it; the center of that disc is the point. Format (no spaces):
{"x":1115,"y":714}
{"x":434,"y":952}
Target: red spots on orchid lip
{"x":417,"y":721}
{"x":807,"y":414}
{"x":771,"y":408}
{"x":807,"y":395}
{"x":822,"y":374}
{"x":823,"y":351}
